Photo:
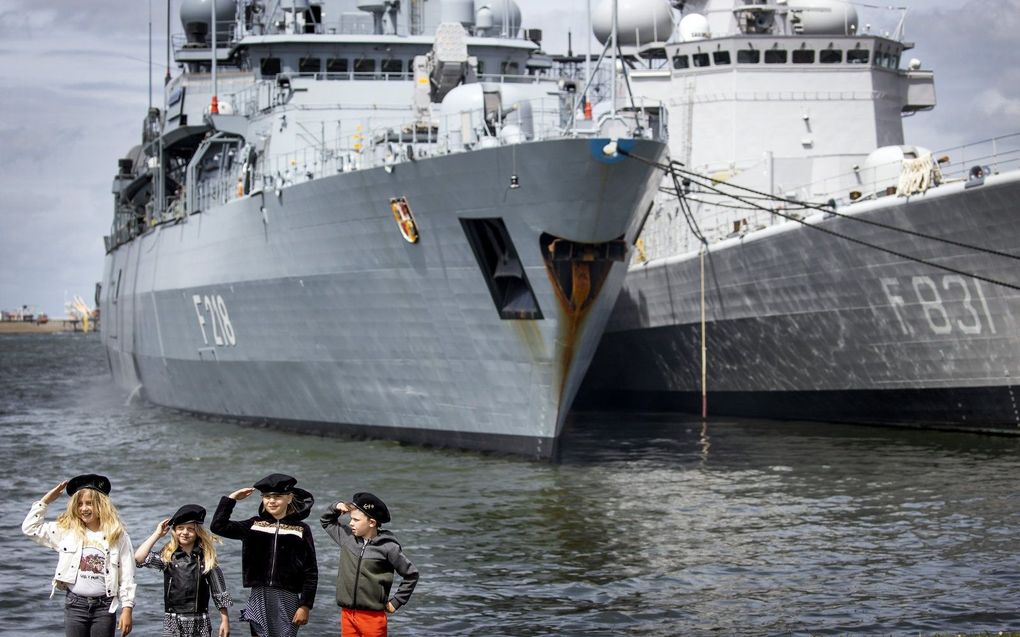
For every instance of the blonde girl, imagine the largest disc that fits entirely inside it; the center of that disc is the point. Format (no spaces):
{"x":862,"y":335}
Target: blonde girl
{"x":94,"y":566}
{"x":190,"y":574}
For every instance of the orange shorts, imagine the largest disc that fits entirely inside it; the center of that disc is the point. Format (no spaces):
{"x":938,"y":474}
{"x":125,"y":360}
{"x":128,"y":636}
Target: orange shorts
{"x":362,"y":623}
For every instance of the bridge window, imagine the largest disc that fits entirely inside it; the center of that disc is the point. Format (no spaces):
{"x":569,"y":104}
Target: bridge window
{"x":309,"y":65}
{"x":748,"y":56}
{"x":391,"y":66}
{"x":803,"y":56}
{"x":680,"y":62}
{"x":721,"y":57}
{"x":510,"y":68}
{"x":336,"y":65}
{"x":363,"y":66}
{"x":700,"y":59}
{"x":269,"y":67}
{"x":830,"y":56}
{"x":775,"y":56}
{"x":857,"y":56}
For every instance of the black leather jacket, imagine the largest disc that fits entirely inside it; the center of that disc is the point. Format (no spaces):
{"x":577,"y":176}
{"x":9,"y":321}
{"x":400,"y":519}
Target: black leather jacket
{"x":186,"y":587}
{"x":277,"y":553}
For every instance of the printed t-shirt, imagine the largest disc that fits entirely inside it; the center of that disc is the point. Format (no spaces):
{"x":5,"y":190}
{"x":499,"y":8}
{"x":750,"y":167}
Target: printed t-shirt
{"x":91,"y":580}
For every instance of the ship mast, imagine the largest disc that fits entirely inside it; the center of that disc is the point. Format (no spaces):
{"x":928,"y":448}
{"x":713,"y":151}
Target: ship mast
{"x":213,"y":106}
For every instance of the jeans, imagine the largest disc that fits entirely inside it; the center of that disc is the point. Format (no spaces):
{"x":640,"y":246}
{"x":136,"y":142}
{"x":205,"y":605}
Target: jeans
{"x":88,"y":616}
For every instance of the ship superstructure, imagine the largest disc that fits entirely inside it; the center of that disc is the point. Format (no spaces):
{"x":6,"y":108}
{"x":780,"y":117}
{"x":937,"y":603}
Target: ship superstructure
{"x":376,"y":218}
{"x":795,"y":267}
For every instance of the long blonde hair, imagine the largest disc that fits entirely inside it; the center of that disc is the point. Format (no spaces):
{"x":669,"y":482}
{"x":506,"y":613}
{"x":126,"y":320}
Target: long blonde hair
{"x":109,"y":519}
{"x":204,"y":539}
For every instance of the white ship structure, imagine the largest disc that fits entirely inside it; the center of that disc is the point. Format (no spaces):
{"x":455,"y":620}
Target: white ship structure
{"x":814,"y":266}
{"x":388,"y":219}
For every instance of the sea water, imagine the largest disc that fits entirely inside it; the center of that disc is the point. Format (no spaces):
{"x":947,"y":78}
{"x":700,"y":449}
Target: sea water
{"x":646,"y":524}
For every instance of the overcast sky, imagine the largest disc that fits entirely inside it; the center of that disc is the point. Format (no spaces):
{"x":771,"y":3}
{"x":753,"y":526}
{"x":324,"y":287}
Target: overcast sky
{"x":74,"y":91}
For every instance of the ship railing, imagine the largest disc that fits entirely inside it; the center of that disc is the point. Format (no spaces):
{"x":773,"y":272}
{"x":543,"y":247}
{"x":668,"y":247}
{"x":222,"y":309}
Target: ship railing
{"x":991,"y":156}
{"x":390,"y":140}
{"x":722,"y":217}
{"x":212,"y":192}
{"x":985,"y":157}
{"x":227,"y":35}
{"x":265,"y":95}
{"x":393,"y":138}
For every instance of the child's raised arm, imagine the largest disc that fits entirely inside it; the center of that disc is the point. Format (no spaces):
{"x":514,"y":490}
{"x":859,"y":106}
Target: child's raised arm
{"x":330,"y":520}
{"x":221,"y":523}
{"x":146,"y":546}
{"x":34,"y":527}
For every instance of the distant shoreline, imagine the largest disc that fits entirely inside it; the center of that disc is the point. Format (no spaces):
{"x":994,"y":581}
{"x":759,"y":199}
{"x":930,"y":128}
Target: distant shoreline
{"x":30,"y":327}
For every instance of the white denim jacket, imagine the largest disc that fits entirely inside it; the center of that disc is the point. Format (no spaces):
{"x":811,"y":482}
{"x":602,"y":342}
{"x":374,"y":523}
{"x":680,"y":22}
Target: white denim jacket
{"x":120,"y":574}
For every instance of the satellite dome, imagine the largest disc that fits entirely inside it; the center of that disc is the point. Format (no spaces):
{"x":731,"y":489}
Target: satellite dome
{"x":882,"y":167}
{"x":694,"y":26}
{"x":820,"y":17}
{"x":491,"y":15}
{"x":195,"y":19}
{"x":638,"y":21}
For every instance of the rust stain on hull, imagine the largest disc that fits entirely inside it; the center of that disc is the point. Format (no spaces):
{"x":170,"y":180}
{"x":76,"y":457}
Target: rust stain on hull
{"x":577,"y":272}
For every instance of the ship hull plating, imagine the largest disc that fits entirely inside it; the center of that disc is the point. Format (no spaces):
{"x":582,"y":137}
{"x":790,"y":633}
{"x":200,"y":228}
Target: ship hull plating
{"x":804,"y":325}
{"x":306,"y":308}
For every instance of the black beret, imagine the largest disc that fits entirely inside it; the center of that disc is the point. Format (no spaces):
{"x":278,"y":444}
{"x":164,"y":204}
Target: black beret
{"x":188,"y":513}
{"x":88,"y":481}
{"x":276,"y":483}
{"x":372,"y":506}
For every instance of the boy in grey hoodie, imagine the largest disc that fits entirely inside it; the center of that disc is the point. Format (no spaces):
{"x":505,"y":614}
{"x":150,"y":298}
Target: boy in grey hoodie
{"x":369,"y":556}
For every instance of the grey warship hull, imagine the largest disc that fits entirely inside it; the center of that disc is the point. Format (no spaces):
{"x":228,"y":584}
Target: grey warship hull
{"x":806,"y":325}
{"x":307,"y":308}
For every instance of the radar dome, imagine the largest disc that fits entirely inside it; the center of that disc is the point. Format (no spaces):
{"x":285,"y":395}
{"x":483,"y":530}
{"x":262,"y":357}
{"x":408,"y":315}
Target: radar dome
{"x":638,"y":21}
{"x":694,"y":26}
{"x":195,"y":19}
{"x":820,"y":17}
{"x":491,"y":15}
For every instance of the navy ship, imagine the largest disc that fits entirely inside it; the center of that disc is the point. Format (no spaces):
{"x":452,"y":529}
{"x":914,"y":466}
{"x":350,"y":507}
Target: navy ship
{"x":804,"y":262}
{"x":373,"y":218}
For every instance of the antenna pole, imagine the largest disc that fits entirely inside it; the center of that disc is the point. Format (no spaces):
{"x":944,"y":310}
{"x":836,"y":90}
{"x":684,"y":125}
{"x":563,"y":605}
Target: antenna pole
{"x":150,"y":55}
{"x":612,"y":85}
{"x":213,"y":106}
{"x":587,"y":60}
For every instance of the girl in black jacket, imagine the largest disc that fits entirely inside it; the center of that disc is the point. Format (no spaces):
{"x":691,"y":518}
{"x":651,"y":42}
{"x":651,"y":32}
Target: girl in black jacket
{"x":277,"y":555}
{"x":190,"y":574}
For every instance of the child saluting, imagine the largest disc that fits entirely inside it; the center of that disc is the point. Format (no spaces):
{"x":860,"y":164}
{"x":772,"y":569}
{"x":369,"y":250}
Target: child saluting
{"x":190,"y":574}
{"x":369,"y":556}
{"x":94,"y":564}
{"x":277,"y":555}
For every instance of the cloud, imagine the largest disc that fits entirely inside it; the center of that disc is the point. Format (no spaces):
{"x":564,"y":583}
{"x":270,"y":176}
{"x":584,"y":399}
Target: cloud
{"x":992,"y":103}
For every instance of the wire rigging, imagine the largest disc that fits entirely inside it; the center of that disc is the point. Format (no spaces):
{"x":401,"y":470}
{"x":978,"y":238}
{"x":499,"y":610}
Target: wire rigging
{"x":674,"y":167}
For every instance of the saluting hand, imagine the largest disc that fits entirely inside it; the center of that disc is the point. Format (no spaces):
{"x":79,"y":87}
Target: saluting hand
{"x":55,"y":492}
{"x":162,"y":528}
{"x":241,"y":494}
{"x":342,"y":507}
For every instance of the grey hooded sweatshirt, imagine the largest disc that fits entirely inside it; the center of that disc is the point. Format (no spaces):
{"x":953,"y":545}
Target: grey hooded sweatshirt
{"x":365,"y":576}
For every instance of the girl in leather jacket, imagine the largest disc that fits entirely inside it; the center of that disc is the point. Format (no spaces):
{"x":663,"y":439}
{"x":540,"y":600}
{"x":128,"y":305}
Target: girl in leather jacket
{"x":190,"y":574}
